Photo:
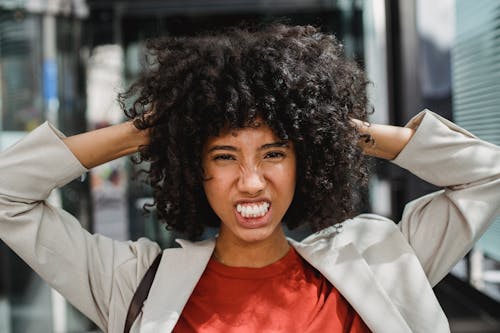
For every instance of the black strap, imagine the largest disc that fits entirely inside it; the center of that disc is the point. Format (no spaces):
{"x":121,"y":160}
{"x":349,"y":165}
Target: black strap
{"x":141,"y":293}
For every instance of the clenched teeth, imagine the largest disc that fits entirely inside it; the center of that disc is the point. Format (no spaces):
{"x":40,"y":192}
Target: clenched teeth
{"x":253,"y":210}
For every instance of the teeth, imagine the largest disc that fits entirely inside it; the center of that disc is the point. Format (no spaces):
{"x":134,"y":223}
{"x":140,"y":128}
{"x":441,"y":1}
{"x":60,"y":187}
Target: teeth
{"x":253,"y":210}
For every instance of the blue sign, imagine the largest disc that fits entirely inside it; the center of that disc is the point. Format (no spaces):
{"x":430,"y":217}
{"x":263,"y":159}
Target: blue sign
{"x":49,"y":80}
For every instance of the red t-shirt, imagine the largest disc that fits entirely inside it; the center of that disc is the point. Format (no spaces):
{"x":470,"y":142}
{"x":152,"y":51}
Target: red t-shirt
{"x":286,"y":296}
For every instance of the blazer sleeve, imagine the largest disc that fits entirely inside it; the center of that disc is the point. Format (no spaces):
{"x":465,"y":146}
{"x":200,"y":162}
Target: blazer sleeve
{"x":443,"y":226}
{"x":79,"y":265}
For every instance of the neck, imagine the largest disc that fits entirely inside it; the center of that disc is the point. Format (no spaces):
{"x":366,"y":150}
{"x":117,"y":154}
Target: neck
{"x":258,"y":254}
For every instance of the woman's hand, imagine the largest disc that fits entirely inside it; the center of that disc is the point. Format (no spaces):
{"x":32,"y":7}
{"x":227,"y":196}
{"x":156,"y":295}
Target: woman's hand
{"x":383,"y":141}
{"x":103,"y":145}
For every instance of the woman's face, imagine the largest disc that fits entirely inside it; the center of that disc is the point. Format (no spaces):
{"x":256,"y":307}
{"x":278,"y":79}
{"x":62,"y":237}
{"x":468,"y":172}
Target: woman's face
{"x":250,"y":182}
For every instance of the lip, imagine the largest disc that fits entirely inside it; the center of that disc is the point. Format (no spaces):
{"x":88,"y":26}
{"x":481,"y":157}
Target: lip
{"x":253,"y":222}
{"x":253,"y":200}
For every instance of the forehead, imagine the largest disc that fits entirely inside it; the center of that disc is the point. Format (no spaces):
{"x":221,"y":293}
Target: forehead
{"x":258,"y":133}
{"x":258,"y":130}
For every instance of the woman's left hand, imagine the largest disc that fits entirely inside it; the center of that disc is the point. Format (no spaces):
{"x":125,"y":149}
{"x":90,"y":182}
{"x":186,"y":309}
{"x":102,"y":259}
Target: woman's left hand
{"x":383,"y":141}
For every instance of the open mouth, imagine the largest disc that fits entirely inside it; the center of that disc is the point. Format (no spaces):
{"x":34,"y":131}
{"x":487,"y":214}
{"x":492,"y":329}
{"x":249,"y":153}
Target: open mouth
{"x":253,"y":210}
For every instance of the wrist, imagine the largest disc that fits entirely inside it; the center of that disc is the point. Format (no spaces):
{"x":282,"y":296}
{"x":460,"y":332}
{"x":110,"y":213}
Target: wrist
{"x":135,"y":137}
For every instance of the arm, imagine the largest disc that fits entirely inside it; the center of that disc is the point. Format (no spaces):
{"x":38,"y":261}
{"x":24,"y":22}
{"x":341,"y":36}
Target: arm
{"x":385,"y":141}
{"x":96,"y":274}
{"x":103,"y":145}
{"x":442,"y":226}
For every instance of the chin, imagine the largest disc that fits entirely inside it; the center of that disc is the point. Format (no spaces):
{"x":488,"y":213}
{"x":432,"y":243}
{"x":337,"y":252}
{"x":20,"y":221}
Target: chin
{"x":255,"y":235}
{"x":253,"y":238}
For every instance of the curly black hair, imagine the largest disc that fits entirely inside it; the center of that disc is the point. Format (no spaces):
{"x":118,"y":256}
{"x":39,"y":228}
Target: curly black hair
{"x":295,"y":78}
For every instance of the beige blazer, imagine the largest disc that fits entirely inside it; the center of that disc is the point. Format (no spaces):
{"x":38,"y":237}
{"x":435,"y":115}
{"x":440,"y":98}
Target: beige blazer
{"x":385,"y":270}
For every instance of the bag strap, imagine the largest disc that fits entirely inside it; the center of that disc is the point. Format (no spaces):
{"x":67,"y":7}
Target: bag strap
{"x":141,"y":293}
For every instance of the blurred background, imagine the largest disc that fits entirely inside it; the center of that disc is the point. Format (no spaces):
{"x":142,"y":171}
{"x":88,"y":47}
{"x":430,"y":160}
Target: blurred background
{"x":65,"y":61}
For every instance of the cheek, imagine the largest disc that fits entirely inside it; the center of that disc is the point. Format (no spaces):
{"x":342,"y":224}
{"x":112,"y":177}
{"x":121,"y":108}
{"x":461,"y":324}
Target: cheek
{"x":287,"y":174}
{"x":289,"y":187}
{"x":216,"y":190}
{"x":283,"y":179}
{"x":291,"y":180}
{"x":211,"y":189}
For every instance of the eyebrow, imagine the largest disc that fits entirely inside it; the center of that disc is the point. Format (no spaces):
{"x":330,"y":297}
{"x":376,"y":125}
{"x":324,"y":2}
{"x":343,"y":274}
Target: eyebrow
{"x":277,"y":144}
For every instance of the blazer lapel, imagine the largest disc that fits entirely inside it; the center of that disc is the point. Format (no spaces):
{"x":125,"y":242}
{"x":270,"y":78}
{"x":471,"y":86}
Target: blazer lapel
{"x":178,"y":273}
{"x":347,"y":270}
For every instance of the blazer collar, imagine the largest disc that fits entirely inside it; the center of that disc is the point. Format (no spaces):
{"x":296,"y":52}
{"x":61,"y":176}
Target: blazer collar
{"x":178,"y":273}
{"x":348,"y":271}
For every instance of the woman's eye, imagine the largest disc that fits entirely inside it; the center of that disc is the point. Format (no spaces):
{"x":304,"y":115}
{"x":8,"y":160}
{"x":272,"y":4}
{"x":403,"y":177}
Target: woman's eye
{"x":274,"y":155}
{"x":223,"y":157}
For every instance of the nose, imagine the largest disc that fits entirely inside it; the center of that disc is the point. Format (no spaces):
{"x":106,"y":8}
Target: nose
{"x":251,"y":181}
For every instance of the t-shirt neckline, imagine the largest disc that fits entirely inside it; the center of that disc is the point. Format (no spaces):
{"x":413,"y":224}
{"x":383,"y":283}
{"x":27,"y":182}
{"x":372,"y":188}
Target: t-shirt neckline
{"x":283,"y":265}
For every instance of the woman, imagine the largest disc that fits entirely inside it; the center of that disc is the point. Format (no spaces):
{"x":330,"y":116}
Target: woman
{"x":249,"y":130}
